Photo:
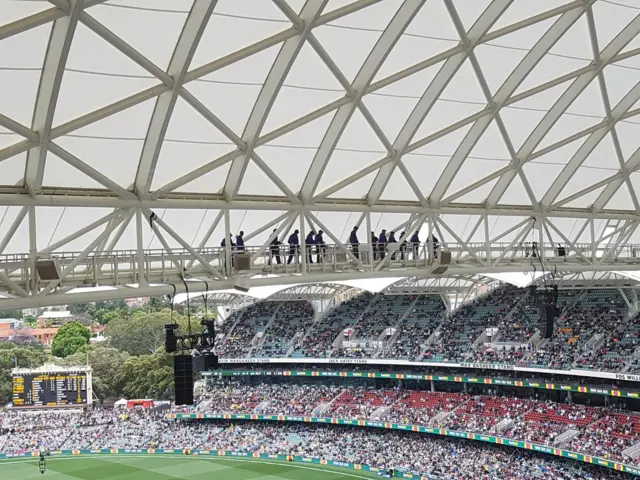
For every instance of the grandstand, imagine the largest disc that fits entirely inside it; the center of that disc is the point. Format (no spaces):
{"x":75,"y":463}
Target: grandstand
{"x":369,"y":206}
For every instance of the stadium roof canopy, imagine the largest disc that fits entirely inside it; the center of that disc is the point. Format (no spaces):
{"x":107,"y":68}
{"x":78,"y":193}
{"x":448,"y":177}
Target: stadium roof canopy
{"x":129,"y":127}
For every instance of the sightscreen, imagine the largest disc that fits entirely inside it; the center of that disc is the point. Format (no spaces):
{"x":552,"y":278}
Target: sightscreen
{"x":60,"y":389}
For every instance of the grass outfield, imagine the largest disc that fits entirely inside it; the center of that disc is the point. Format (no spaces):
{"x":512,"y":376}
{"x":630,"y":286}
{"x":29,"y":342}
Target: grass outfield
{"x":156,"y":467}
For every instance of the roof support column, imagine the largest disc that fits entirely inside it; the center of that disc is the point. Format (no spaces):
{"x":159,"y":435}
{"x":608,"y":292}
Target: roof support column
{"x":228,"y":269}
{"x":33,"y":250}
{"x":142,"y":282}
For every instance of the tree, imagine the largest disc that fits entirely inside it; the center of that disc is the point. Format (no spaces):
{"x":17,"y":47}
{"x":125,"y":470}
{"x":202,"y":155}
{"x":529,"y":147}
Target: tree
{"x":80,"y":308}
{"x":106,"y":363}
{"x":71,"y":338}
{"x":143,"y":333}
{"x":11,"y":314}
{"x":156,"y":304}
{"x":146,"y":376}
{"x":27,"y":356}
{"x":30,"y":320}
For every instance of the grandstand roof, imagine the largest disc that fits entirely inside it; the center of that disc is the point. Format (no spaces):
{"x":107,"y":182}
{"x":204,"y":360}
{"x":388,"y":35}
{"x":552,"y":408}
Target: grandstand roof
{"x":481,"y":121}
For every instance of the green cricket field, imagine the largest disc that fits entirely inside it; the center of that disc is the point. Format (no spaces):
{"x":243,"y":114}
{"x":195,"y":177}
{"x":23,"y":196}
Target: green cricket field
{"x":170,"y":467}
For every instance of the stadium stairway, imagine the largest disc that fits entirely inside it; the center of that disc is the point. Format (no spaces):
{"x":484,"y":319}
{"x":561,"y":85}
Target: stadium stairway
{"x":260,"y":336}
{"x":337,"y":342}
{"x":390,"y":342}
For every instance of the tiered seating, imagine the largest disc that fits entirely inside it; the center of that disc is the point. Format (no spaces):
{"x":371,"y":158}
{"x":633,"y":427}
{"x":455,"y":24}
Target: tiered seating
{"x":361,"y":403}
{"x":295,"y":399}
{"x":426,"y":314}
{"x":385,"y":312}
{"x":223,"y":330}
{"x":608,"y":310}
{"x":319,"y":339}
{"x":609,"y":436}
{"x":466,"y":325}
{"x":417,"y":408}
{"x":576,"y":415}
{"x":235,"y":399}
{"x":253,"y":320}
{"x":522,"y":323}
{"x":534,"y":432}
{"x":593,"y":312}
{"x":290,"y":322}
{"x":481,"y":414}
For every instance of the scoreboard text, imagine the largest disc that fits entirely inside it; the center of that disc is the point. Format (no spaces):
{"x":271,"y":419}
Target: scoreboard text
{"x":49,"y":390}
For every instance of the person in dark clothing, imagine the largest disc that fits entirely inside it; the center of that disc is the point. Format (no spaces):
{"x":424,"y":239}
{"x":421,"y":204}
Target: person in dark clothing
{"x":355,"y":244}
{"x":374,"y":246}
{"x":392,"y":239}
{"x":309,"y":241}
{"x":436,"y":243}
{"x":240,"y":241}
{"x":415,"y":245}
{"x":294,"y":246}
{"x":382,"y":244}
{"x":403,"y":246}
{"x":275,"y":248}
{"x":320,"y":246}
{"x":223,"y":244}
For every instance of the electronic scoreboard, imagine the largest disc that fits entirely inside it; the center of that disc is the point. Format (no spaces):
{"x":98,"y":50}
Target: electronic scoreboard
{"x":41,"y":389}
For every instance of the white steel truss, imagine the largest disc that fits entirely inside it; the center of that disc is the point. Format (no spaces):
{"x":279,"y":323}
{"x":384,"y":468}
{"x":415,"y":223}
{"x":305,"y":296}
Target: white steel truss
{"x":163,"y":222}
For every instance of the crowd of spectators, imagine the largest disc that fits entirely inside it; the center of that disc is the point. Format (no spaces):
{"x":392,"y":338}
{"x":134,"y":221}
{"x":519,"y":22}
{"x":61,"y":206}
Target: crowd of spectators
{"x":253,"y":319}
{"x":425,"y":315}
{"x":593,"y":330}
{"x":594,"y":312}
{"x":318,"y":341}
{"x":291,"y":321}
{"x":525,"y":419}
{"x":469,"y":322}
{"x":441,"y":458}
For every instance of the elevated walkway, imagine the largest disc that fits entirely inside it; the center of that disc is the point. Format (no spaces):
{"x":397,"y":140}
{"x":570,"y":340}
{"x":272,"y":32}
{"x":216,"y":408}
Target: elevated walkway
{"x":37,"y":281}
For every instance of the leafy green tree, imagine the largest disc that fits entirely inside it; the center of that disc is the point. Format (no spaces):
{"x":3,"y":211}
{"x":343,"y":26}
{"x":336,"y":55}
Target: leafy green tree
{"x":71,"y":338}
{"x":143,"y":333}
{"x":156,"y":304}
{"x":68,"y":346}
{"x":11,"y":314}
{"x":146,"y":376}
{"x":106,"y":363}
{"x":30,"y":321}
{"x":80,"y":308}
{"x":27,"y":356}
{"x":110,"y":316}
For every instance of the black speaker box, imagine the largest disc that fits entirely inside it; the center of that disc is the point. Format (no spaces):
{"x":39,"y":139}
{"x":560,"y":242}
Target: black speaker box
{"x":548,"y":313}
{"x":170,"y":342}
{"x":183,"y":379}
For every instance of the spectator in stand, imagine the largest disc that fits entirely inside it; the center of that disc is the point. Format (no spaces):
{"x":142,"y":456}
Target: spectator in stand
{"x":442,"y":458}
